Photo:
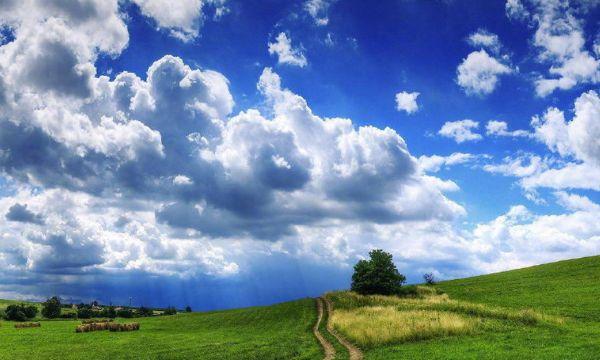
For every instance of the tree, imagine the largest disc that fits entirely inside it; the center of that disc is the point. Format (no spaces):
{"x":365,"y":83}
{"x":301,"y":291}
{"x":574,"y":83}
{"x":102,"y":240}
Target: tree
{"x":188,"y":309}
{"x":378,"y":275}
{"x":429,"y":279}
{"x":51,"y":308}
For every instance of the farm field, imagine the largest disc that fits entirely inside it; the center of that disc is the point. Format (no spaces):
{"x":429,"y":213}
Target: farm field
{"x":281,"y":331}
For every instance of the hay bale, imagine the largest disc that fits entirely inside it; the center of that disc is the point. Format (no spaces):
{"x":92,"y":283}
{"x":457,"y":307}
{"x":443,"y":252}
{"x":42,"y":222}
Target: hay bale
{"x":95,"y":321}
{"x":114,"y":327}
{"x":27,"y":325}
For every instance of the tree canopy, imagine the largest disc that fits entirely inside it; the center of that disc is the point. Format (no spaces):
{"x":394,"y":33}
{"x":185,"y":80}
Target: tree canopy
{"x":378,"y":275}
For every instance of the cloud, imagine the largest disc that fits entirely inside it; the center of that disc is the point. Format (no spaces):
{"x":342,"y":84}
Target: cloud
{"x":406,"y":101}
{"x":20,"y":213}
{"x":318,"y":10}
{"x":520,"y":238}
{"x":520,"y":166}
{"x":485,"y":39}
{"x":461,"y":130}
{"x":578,"y":137}
{"x":434,"y":163}
{"x":500,"y":128}
{"x":573,"y":141}
{"x":183,"y":18}
{"x":286,"y":54}
{"x":560,"y":41}
{"x":515,"y":10}
{"x":478,"y":73}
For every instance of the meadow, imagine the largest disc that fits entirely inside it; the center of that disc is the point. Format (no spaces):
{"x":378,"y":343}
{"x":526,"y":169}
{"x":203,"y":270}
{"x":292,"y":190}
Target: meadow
{"x":563,"y":294}
{"x":281,"y":331}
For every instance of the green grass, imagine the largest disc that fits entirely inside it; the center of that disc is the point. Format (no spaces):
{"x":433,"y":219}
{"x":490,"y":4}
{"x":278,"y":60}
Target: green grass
{"x":282,"y":331}
{"x":567,"y":289}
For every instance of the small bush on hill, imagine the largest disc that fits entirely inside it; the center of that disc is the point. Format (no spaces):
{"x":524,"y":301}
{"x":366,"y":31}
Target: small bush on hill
{"x":429,"y":279}
{"x":188,"y":309}
{"x":51,"y":308}
{"x":378,"y":275}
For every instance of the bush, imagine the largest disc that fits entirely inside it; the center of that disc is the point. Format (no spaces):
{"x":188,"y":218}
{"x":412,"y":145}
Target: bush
{"x":109,"y":312}
{"x":429,"y":279}
{"x":51,"y":308}
{"x":68,"y":316}
{"x":85,"y":313}
{"x":170,"y":311}
{"x":125,"y":313}
{"x":20,"y":312}
{"x":188,"y":309}
{"x":144,"y":311}
{"x":378,"y":275}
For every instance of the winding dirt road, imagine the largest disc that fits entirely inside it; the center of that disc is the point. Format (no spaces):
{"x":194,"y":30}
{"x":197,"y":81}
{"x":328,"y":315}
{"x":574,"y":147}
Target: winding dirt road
{"x":327,"y":347}
{"x":355,"y":353}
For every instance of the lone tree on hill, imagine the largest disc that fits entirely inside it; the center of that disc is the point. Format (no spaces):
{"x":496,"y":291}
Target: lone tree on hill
{"x":378,"y":275}
{"x":51,"y":308}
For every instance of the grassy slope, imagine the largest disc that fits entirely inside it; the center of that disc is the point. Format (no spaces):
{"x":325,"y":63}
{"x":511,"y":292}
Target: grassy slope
{"x":282,"y":331}
{"x":569,"y":288}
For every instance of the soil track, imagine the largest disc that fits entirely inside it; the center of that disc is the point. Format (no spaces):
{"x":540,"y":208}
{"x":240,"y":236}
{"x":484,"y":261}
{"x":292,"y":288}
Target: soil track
{"x":355,"y":353}
{"x":327,"y":347}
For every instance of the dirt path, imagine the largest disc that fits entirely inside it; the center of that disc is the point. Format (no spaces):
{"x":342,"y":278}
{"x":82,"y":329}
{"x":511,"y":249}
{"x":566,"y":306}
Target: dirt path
{"x":355,"y":353}
{"x":327,"y":347}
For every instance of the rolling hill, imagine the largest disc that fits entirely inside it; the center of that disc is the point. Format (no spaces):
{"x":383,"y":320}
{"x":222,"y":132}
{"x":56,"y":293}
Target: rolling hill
{"x":548,"y":311}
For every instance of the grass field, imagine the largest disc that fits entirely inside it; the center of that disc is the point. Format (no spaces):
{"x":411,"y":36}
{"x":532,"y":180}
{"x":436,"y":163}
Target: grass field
{"x":281,"y":331}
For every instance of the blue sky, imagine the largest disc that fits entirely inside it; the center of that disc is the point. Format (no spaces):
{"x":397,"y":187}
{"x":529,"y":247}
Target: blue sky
{"x":226,"y":153}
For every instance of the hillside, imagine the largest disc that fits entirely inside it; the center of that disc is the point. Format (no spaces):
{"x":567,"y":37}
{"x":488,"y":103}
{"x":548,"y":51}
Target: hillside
{"x":569,"y":289}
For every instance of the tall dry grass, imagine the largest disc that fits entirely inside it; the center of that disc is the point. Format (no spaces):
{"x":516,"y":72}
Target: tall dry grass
{"x":376,"y":325}
{"x":440,"y":302}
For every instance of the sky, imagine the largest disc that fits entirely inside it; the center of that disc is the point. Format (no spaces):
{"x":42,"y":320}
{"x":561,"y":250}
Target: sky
{"x":228,"y":153}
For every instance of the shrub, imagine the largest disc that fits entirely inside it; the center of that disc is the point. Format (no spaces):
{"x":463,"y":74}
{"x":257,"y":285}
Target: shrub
{"x":378,"y":275}
{"x":170,"y":311}
{"x":125,"y":313}
{"x":144,"y":311}
{"x":20,"y":312}
{"x":51,"y":308}
{"x":85,"y":313}
{"x":429,"y":278}
{"x":109,"y":312}
{"x":68,"y":316}
{"x":188,"y":309}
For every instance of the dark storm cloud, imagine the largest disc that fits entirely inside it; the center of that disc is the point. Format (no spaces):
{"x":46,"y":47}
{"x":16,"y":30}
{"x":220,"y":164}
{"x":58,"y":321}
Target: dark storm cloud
{"x":20,"y":213}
